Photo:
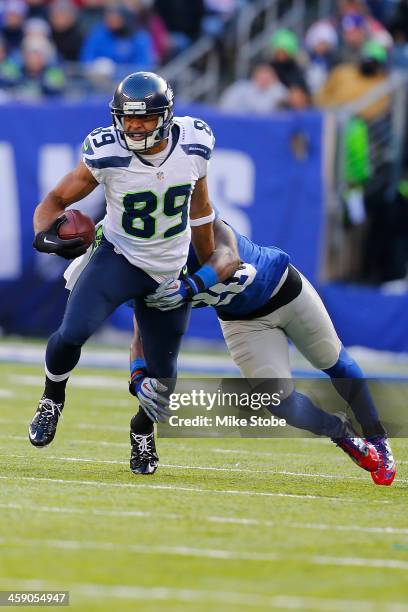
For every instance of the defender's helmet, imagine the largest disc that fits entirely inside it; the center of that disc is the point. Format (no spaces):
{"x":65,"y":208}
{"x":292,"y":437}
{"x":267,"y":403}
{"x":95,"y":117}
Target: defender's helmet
{"x":139,"y":94}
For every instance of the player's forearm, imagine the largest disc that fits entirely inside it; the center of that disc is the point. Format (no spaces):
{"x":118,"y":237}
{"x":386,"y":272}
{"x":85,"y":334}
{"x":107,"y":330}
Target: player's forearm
{"x":202,"y":238}
{"x":136,"y":346}
{"x":219,"y":266}
{"x":224,"y":261}
{"x":48,"y":210}
{"x":71,"y":188}
{"x":201,"y":221}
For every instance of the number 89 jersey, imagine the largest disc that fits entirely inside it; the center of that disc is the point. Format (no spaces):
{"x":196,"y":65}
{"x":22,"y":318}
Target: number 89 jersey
{"x":147,"y":206}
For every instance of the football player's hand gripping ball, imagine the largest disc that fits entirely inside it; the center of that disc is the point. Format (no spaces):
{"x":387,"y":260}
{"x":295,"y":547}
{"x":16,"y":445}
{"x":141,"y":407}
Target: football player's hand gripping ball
{"x":48,"y":241}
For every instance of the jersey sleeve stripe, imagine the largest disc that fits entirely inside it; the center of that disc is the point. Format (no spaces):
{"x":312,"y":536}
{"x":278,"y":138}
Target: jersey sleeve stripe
{"x":197,"y":149}
{"x":108,"y":162}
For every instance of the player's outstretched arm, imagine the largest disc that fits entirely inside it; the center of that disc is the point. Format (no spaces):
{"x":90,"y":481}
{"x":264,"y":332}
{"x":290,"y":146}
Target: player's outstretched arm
{"x":48,"y":215}
{"x":214,"y":242}
{"x":221,"y":264}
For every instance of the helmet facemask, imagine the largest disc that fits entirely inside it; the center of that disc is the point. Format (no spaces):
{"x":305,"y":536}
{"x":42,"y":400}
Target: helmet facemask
{"x":151,"y":138}
{"x":142,"y":94}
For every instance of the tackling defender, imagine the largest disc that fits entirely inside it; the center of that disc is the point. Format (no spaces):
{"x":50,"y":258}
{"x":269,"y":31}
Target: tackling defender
{"x":153,"y":168}
{"x":265,"y":303}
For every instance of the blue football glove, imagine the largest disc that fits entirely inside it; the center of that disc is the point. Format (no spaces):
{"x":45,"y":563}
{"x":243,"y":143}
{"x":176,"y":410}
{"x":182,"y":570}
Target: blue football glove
{"x":173,"y":293}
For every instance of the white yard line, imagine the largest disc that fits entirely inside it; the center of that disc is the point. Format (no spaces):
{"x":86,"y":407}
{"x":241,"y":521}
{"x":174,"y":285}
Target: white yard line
{"x":104,"y":383}
{"x":183,"y":446}
{"x":7,"y":393}
{"x":205,"y":553}
{"x":228,"y":520}
{"x":204,"y":468}
{"x":135,"y":487}
{"x":102,"y":592}
{"x":273,"y":454}
{"x":86,"y":426}
{"x":75,"y":442}
{"x":277,"y":453}
{"x":88,"y":511}
{"x":237,"y":451}
{"x":124,"y":428}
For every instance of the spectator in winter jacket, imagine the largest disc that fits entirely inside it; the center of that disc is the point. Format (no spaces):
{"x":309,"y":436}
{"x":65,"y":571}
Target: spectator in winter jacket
{"x":183,"y":19}
{"x":117,"y":39}
{"x":65,"y":30}
{"x":285,"y":49}
{"x":92,"y":12}
{"x":14,"y":15}
{"x":321,"y":44}
{"x":9,"y":71}
{"x":349,"y":82}
{"x":40,"y":75}
{"x":260,"y":95}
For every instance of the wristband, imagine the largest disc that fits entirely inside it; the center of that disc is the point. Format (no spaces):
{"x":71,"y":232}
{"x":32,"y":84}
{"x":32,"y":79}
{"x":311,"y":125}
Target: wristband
{"x":202,"y":220}
{"x":137,"y":370}
{"x":137,"y":363}
{"x":205,"y":277}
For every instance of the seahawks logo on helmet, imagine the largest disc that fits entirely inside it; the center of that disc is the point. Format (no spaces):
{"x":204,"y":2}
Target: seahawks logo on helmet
{"x":141,"y":94}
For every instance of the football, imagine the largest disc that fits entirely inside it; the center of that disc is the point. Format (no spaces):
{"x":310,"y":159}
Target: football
{"x":77,"y":225}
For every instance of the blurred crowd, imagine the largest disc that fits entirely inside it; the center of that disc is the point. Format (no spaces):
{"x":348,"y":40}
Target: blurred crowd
{"x":41,"y":39}
{"x":340,"y":59}
{"x":344,"y":58}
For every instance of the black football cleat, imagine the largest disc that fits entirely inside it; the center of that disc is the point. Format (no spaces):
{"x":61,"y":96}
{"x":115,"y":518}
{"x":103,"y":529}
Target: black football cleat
{"x":42,"y":428}
{"x":143,"y":457}
{"x":359,"y":450}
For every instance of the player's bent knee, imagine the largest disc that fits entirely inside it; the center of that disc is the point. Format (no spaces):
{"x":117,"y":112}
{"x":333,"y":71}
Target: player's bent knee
{"x":73,"y":337}
{"x":324,"y":354}
{"x":345,"y":367}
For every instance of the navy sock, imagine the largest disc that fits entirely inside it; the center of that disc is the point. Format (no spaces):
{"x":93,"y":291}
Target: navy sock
{"x":299,"y":411}
{"x":55,"y":390}
{"x":348,"y":380}
{"x":141,"y":424}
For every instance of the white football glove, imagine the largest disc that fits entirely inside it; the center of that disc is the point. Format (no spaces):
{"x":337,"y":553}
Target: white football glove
{"x":149,"y":392}
{"x":172,"y":293}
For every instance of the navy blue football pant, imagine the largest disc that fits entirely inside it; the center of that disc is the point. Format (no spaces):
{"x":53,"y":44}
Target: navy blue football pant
{"x":108,"y":281}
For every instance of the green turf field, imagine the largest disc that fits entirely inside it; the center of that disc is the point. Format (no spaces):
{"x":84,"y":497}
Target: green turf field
{"x":228,"y":523}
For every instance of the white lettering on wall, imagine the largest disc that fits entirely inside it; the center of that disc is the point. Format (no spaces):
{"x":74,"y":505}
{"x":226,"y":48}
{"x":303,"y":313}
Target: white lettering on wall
{"x":231,"y":183}
{"x":10,"y":235}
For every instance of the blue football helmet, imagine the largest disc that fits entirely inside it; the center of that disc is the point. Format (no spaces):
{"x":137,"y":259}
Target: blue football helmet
{"x":142,"y":93}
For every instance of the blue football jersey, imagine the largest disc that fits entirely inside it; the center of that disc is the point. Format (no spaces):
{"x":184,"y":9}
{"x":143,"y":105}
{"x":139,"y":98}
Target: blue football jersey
{"x":252,"y":284}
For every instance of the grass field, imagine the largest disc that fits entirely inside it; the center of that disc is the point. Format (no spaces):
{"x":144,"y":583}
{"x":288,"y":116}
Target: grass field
{"x":231,"y":524}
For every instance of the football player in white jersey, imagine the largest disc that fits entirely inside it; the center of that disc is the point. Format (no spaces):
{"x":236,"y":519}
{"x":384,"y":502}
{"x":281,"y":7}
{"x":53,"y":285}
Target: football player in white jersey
{"x":153,"y":169}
